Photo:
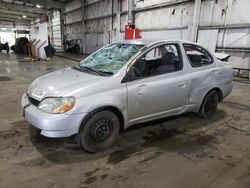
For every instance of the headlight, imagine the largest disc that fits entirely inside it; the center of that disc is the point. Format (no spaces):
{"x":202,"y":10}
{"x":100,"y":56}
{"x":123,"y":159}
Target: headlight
{"x":57,"y":105}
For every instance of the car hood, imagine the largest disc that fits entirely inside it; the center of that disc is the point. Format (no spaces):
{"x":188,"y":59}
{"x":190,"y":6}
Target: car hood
{"x":61,"y":82}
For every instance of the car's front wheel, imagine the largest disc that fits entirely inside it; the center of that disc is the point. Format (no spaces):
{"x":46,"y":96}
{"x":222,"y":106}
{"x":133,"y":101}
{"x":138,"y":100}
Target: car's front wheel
{"x":209,"y":104}
{"x":99,"y":132}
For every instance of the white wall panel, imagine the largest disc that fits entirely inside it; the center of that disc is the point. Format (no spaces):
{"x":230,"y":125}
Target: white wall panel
{"x":240,"y":60}
{"x":146,"y":3}
{"x":99,"y":9}
{"x":208,"y":39}
{"x":236,"y":38}
{"x":239,"y":13}
{"x":213,"y":13}
{"x":73,"y":17}
{"x":73,"y":5}
{"x":167,"y":35}
{"x":171,"y":17}
{"x":100,"y":25}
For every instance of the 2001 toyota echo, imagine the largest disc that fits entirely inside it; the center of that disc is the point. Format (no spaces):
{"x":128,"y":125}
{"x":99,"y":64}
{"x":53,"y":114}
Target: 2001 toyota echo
{"x":126,"y":83}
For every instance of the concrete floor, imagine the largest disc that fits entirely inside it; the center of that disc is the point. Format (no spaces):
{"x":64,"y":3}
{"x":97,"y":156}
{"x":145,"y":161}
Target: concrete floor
{"x":182,"y":151}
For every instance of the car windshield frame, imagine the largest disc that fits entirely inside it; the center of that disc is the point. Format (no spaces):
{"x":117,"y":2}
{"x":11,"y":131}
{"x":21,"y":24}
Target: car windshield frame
{"x":108,"y":60}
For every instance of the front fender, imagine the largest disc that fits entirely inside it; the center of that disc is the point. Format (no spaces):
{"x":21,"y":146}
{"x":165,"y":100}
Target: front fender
{"x":116,"y":98}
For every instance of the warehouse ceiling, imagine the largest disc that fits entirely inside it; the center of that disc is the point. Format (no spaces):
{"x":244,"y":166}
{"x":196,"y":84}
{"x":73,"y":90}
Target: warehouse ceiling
{"x":25,"y":11}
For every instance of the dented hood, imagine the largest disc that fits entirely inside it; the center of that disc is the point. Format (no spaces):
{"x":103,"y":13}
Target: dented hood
{"x":61,"y":82}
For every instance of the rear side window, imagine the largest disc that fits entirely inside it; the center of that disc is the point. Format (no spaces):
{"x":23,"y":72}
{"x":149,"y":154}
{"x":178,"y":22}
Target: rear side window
{"x":197,"y":55}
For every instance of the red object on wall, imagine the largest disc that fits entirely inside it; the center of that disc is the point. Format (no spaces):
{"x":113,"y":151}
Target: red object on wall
{"x":137,"y":33}
{"x":132,"y":33}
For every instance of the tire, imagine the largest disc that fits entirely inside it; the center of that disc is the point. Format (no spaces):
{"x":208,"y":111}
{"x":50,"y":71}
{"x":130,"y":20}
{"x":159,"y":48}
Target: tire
{"x":99,"y":132}
{"x":209,"y":105}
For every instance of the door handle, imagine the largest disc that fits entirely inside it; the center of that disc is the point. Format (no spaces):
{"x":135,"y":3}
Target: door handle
{"x":182,"y":84}
{"x":140,"y":89}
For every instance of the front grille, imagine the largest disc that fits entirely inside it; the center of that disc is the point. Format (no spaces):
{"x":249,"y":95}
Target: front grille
{"x":33,"y":101}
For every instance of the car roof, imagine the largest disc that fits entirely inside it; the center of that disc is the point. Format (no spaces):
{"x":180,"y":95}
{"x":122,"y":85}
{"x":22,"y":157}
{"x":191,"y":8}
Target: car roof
{"x":150,"y":42}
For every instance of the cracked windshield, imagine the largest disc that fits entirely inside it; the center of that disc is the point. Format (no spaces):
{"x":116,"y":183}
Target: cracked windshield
{"x":110,"y":59}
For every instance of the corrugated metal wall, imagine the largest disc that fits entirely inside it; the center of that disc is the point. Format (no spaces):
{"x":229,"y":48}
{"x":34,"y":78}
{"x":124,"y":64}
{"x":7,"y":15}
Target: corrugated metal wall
{"x":56,"y":30}
{"x":224,"y":25}
{"x":72,"y":16}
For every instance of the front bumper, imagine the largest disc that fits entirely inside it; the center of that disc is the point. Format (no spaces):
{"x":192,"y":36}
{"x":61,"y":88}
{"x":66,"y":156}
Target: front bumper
{"x":51,"y":125}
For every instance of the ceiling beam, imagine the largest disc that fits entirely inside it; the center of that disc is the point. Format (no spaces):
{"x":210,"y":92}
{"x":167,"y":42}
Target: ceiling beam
{"x":20,"y":13}
{"x":46,"y":3}
{"x":7,"y":21}
{"x":15,"y":17}
{"x":14,"y":6}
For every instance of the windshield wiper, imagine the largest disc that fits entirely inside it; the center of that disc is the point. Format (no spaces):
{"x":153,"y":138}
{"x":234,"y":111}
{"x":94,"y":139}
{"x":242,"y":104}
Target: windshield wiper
{"x":106,"y":72}
{"x":92,"y":70}
{"x":98,"y":72}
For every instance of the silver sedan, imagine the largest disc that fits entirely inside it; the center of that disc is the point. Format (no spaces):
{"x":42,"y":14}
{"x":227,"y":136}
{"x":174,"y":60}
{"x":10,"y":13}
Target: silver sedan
{"x":123,"y":84}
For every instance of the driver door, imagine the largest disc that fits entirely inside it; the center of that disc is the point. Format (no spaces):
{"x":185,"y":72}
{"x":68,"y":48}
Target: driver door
{"x":152,"y":96}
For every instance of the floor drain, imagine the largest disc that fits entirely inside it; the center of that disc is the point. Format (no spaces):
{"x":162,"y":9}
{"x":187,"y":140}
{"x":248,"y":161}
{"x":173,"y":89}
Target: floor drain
{"x":4,"y":78}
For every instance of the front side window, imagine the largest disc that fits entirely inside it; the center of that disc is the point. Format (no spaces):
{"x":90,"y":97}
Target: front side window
{"x":197,"y":55}
{"x":109,"y":59}
{"x":159,"y":60}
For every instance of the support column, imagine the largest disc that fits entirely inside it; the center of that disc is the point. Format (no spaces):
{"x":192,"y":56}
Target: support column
{"x":196,"y":19}
{"x":130,"y":12}
{"x":118,"y":21}
{"x":83,"y":29}
{"x":62,"y":30}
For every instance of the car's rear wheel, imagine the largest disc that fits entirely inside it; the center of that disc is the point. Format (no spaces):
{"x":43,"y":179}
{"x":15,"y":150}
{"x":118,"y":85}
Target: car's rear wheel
{"x":209,"y":105}
{"x":99,"y":132}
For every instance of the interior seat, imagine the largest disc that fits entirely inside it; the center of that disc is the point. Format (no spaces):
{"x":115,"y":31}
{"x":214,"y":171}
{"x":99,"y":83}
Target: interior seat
{"x":167,"y":64}
{"x":195,"y":60}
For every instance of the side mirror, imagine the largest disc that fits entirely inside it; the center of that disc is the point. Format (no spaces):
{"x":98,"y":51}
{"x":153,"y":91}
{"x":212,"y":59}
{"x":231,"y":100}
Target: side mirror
{"x":130,"y":76}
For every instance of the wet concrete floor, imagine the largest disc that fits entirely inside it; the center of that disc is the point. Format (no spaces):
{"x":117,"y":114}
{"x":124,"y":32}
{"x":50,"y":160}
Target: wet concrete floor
{"x":177,"y":152}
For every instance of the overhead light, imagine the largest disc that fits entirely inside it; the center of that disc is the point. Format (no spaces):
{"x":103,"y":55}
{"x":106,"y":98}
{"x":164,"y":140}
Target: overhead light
{"x":4,"y":29}
{"x":38,"y":6}
{"x":24,"y":16}
{"x":13,"y":29}
{"x":27,"y":29}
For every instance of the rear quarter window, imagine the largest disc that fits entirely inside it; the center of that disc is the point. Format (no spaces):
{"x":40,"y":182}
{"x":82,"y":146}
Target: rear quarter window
{"x":197,"y":55}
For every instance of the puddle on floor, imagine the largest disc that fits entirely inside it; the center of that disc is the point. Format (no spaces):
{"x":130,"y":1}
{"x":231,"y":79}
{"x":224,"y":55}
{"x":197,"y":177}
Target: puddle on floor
{"x":4,"y":78}
{"x":171,"y":141}
{"x":177,"y":141}
{"x":119,"y":156}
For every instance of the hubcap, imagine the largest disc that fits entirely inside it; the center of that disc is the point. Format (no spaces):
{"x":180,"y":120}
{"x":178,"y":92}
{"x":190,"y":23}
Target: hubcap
{"x":102,"y":130}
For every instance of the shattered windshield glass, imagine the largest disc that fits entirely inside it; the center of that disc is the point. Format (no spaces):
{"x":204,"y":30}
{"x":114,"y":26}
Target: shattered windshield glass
{"x":110,"y":59}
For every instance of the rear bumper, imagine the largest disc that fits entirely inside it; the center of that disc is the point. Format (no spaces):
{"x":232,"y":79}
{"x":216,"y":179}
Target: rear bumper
{"x":51,"y":125}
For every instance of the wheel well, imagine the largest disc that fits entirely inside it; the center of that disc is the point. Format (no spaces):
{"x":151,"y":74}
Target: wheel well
{"x":118,"y":113}
{"x":219,"y":93}
{"x":115,"y":110}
